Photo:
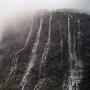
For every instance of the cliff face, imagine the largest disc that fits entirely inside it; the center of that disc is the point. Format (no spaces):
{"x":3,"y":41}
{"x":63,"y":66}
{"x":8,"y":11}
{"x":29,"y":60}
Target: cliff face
{"x":55,"y":55}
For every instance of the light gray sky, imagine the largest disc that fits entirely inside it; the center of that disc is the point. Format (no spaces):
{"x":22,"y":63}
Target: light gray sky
{"x":10,"y":8}
{"x":13,"y":6}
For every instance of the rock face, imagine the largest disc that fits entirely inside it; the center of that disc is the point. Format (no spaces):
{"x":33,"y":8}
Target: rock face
{"x":55,"y":56}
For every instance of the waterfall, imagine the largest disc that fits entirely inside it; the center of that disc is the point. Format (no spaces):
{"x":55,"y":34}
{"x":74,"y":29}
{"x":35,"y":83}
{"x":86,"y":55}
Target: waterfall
{"x":46,"y":49}
{"x":14,"y":62}
{"x":74,"y":78}
{"x":69,"y":40}
{"x":33,"y":55}
{"x":61,"y":41}
{"x":70,"y":53}
{"x":29,"y":34}
{"x":79,"y":62}
{"x":28,"y":37}
{"x":78,"y":27}
{"x":72,"y":58}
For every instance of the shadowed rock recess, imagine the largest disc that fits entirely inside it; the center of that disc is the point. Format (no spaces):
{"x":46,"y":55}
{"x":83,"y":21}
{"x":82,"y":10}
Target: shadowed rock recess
{"x":55,"y":55}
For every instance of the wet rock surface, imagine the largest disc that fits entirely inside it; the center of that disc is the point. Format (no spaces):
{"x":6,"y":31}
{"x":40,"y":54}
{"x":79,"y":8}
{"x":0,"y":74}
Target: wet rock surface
{"x":57,"y":59}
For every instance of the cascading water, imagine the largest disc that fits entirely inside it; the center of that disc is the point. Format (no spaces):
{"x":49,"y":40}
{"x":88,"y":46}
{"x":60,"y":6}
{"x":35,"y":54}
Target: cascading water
{"x":14,"y":65}
{"x":33,"y":56}
{"x":29,"y":34}
{"x":14,"y":62}
{"x":69,"y":40}
{"x":74,"y":78}
{"x":79,"y":63}
{"x":46,"y":49}
{"x":61,"y":40}
{"x":70,"y":53}
{"x":28,"y":37}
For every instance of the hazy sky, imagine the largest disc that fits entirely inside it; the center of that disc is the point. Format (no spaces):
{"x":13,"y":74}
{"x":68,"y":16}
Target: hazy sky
{"x":13,"y":6}
{"x":10,"y":8}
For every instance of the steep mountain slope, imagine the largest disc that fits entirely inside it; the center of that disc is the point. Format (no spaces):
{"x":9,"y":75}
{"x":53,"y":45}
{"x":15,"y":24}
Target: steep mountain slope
{"x":55,"y":56}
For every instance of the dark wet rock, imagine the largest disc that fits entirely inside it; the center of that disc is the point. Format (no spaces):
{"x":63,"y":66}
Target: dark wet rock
{"x":55,"y":70}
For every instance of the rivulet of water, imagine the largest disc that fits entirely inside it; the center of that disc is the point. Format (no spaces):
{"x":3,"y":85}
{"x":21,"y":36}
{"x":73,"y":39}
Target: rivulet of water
{"x":46,"y":49}
{"x":75,"y":77}
{"x":15,"y":58}
{"x":33,"y":55}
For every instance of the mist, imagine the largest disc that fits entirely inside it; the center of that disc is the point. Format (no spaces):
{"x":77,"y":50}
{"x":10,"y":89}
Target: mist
{"x":10,"y":10}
